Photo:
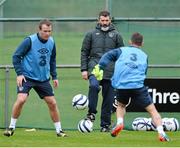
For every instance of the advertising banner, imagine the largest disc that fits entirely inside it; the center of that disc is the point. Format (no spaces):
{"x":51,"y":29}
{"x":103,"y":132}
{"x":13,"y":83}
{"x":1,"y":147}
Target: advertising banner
{"x":165,"y":94}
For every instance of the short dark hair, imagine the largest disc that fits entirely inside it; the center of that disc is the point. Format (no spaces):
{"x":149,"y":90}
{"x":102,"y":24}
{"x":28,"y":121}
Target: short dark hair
{"x":104,"y":13}
{"x":46,"y":22}
{"x":137,"y":38}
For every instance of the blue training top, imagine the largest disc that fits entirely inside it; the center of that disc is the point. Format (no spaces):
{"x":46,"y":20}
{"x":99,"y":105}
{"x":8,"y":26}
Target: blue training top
{"x":36,"y":58}
{"x":130,"y":67}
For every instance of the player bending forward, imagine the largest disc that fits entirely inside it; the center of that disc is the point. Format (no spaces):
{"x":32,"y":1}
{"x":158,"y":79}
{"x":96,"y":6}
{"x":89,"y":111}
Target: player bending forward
{"x":34,"y":61}
{"x":131,"y":65}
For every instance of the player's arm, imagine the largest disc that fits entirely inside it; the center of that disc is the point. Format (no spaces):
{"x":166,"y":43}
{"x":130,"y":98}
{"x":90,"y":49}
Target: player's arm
{"x":85,"y":52}
{"x":146,"y":66}
{"x":53,"y":63}
{"x":19,"y":54}
{"x":53,"y":67}
{"x":112,"y":55}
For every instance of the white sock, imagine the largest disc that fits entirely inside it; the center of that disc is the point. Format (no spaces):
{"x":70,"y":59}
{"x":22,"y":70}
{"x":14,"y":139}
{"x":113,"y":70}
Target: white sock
{"x":57,"y":126}
{"x":120,"y":121}
{"x":13,"y":123}
{"x":160,"y":130}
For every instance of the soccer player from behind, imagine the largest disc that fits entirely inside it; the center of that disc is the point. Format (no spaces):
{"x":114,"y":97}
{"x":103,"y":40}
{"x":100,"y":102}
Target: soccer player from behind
{"x":131,"y":65}
{"x":34,"y":61}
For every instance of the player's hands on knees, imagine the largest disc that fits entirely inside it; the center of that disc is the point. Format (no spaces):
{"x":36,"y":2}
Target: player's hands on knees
{"x":97,"y":72}
{"x":20,"y":79}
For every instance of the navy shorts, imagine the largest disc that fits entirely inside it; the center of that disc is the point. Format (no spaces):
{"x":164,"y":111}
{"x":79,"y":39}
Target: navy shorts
{"x":139,"y":96}
{"x":43,"y":89}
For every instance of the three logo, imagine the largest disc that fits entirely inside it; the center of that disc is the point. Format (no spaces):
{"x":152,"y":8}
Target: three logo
{"x":164,"y":97}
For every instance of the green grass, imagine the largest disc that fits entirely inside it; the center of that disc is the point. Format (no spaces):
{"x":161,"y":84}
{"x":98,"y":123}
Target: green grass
{"x":161,"y":44}
{"x":161,"y":50}
{"x":35,"y":112}
{"x":44,"y":138}
{"x":70,"y":82}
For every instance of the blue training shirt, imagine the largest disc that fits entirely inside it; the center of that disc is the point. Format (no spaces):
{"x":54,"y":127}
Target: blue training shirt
{"x":130,"y":67}
{"x":35,"y":58}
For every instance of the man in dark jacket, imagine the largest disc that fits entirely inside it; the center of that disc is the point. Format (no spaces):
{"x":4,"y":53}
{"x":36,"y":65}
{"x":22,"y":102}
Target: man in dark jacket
{"x":97,"y":42}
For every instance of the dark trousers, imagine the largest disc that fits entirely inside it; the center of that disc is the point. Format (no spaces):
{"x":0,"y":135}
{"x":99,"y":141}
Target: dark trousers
{"x":108,"y":98}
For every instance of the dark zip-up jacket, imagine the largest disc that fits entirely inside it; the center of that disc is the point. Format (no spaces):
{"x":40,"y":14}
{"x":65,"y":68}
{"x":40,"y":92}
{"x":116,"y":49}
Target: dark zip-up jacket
{"x":95,"y":44}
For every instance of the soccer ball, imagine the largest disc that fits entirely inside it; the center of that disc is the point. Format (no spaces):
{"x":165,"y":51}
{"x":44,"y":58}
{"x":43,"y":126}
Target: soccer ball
{"x":141,"y":124}
{"x":80,"y":102}
{"x":170,"y":124}
{"x":85,"y":126}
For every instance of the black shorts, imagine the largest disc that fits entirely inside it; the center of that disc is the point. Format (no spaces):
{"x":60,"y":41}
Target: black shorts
{"x":139,"y":96}
{"x":43,"y":89}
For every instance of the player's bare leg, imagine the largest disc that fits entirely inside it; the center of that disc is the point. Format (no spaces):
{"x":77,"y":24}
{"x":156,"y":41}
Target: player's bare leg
{"x":156,"y":118}
{"x":120,"y":112}
{"x":53,"y":109}
{"x":17,"y":107}
{"x":54,"y":113}
{"x":16,"y":111}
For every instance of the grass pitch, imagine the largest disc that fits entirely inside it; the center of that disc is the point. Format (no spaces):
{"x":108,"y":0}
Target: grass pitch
{"x":47,"y":138}
{"x":35,"y":113}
